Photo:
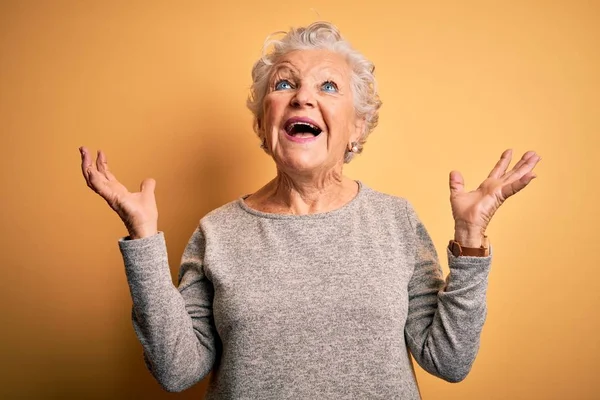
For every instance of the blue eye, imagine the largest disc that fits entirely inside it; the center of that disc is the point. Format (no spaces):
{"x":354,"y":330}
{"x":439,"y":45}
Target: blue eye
{"x":283,"y":85}
{"x":329,"y":87}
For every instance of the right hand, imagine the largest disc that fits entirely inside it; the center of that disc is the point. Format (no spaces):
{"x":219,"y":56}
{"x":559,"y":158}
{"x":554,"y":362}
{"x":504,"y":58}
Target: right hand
{"x":138,"y":210}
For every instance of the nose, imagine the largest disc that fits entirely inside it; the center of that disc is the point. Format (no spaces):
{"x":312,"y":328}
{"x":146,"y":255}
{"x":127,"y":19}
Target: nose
{"x":303,"y":98}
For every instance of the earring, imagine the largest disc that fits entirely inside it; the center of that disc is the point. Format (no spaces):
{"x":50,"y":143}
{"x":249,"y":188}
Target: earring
{"x":354,"y":147}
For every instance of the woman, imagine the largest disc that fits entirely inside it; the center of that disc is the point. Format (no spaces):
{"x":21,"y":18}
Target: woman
{"x":314,"y":286}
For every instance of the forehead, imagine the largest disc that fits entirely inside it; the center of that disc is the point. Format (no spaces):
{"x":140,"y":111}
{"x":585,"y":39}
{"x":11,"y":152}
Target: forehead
{"x":307,"y":62}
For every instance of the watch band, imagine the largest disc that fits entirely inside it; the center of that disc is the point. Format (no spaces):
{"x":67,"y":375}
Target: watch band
{"x":457,"y":250}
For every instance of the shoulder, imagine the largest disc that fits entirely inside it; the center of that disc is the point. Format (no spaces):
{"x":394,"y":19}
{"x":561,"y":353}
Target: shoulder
{"x":391,"y":206}
{"x":220,"y":221}
{"x":226,"y":214}
{"x":377,"y":197}
{"x":384,"y":201}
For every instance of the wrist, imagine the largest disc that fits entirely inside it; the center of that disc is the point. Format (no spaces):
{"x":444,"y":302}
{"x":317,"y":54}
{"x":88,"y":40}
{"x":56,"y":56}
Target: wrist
{"x":469,"y":235}
{"x":140,"y":232}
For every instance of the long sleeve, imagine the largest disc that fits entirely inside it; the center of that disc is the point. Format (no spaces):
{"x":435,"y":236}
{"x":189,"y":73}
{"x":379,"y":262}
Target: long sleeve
{"x":445,"y":319}
{"x":174,"y":326}
{"x":306,"y":306}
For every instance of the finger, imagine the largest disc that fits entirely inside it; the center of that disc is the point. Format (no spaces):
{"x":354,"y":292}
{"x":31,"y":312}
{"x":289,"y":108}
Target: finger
{"x":87,"y":165}
{"x":518,"y":185}
{"x":457,"y":183}
{"x":501,"y":165}
{"x":522,"y":161}
{"x":93,"y":178}
{"x":148,"y":185}
{"x":526,"y":167}
{"x":101,"y":163}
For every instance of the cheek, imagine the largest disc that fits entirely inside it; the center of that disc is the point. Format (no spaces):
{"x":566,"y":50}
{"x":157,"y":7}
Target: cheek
{"x":272,"y":111}
{"x":342,"y":117}
{"x":266,"y":113}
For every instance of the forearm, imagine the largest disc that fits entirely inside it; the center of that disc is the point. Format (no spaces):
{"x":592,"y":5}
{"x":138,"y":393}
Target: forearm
{"x":446,"y":324}
{"x":165,"y":329}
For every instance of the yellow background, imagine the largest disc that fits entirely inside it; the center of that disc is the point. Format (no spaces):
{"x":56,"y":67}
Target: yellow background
{"x":161,"y":87}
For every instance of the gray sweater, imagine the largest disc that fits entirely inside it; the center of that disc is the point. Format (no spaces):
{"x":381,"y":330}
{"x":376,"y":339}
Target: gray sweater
{"x":321,"y":306}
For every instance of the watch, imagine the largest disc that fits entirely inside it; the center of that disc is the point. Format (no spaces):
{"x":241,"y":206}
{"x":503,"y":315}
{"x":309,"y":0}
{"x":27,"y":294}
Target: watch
{"x":457,"y":250}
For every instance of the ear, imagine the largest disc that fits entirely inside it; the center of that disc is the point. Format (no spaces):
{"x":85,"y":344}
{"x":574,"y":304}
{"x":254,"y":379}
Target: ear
{"x":359,"y":129}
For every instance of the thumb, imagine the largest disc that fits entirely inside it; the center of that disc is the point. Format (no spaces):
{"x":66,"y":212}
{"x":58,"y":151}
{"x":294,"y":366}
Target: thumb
{"x":457,"y":183}
{"x":148,"y":185}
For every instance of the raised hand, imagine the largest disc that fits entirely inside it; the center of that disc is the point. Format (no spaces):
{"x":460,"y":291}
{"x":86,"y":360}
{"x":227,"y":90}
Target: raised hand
{"x":473,"y":211}
{"x":137,"y":210}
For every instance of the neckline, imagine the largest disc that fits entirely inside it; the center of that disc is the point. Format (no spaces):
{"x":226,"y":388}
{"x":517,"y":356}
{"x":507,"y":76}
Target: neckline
{"x":346,"y":207}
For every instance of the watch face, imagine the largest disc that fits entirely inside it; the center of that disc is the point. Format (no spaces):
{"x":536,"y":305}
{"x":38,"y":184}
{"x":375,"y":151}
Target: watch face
{"x":455,"y":249}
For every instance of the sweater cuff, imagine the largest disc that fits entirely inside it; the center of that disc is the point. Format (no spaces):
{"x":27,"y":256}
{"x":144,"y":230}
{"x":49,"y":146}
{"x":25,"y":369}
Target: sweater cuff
{"x":145,"y":258}
{"x":466,"y":270}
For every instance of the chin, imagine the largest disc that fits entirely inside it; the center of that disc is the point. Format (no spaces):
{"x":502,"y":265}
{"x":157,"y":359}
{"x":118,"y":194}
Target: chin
{"x":301,"y":163}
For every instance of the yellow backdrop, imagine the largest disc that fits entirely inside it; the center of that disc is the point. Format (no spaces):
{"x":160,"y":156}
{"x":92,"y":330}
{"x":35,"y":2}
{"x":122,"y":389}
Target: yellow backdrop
{"x":161,"y":87}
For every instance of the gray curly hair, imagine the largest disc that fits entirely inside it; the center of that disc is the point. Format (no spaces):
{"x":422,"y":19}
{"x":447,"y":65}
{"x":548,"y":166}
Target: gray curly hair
{"x":319,"y":35}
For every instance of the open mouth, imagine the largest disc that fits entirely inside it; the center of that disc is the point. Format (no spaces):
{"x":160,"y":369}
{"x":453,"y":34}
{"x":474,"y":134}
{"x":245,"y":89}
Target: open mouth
{"x":302,"y":129}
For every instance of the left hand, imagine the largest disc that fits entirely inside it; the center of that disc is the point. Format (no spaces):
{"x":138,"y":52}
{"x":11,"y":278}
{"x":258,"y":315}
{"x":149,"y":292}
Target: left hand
{"x":472,"y":211}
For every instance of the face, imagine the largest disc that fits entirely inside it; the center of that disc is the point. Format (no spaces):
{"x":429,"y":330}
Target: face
{"x":309,"y":118}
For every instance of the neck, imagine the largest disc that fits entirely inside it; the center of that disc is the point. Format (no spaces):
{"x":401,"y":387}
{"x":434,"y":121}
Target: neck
{"x":302,"y":195}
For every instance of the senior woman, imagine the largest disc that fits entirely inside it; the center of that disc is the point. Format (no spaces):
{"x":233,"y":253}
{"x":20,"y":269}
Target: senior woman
{"x":315,"y":286}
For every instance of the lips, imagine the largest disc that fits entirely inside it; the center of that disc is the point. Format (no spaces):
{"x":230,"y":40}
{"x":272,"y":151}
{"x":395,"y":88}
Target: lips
{"x":302,"y":127}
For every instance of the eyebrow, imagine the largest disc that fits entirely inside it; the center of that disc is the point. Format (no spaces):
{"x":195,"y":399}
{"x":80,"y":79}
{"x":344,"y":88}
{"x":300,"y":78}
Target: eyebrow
{"x":285,"y":66}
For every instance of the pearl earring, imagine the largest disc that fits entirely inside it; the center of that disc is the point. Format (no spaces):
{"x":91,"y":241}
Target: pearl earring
{"x":354,"y":147}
